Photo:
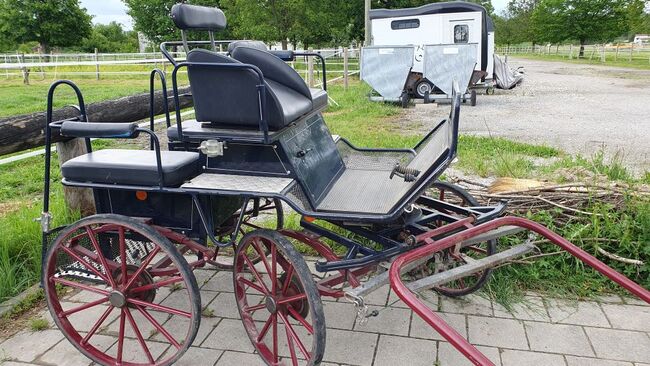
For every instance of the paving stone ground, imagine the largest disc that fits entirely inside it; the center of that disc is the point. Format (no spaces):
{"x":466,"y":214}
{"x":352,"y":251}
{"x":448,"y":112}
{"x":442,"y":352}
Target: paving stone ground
{"x":539,"y":332}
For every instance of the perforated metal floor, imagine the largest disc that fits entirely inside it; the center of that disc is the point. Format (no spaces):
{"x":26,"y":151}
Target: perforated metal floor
{"x":239,"y":183}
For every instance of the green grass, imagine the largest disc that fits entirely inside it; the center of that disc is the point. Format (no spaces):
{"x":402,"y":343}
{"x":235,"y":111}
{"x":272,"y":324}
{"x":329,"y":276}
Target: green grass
{"x":636,"y":63}
{"x":38,"y":324}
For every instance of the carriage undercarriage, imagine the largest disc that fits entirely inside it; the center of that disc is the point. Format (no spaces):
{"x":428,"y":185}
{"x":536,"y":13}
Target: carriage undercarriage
{"x":217,"y":198}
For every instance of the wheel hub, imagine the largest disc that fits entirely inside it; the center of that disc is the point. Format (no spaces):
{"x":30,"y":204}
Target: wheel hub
{"x":117,"y":299}
{"x":271,"y":305}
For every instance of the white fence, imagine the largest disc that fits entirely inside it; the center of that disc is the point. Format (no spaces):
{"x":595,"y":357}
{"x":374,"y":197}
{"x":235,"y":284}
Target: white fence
{"x":100,"y":65}
{"x":623,"y":52}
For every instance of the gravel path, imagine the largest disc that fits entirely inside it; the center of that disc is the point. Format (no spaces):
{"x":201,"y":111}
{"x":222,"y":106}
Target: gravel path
{"x":577,"y":108}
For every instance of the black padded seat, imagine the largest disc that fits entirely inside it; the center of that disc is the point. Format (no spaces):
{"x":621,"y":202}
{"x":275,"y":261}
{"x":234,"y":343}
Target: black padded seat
{"x":229,"y":97}
{"x":132,"y":167}
{"x":245,"y":43}
{"x":319,"y":98}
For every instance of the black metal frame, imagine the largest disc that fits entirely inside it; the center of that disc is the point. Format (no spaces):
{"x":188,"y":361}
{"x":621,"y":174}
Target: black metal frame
{"x":381,"y":229}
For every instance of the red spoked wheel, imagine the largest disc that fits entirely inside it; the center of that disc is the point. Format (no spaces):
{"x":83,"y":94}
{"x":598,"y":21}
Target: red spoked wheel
{"x":112,"y":302}
{"x":451,"y":258}
{"x":278,"y":300}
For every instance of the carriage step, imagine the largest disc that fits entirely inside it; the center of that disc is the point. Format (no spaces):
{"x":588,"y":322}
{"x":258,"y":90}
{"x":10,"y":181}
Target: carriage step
{"x":472,"y":267}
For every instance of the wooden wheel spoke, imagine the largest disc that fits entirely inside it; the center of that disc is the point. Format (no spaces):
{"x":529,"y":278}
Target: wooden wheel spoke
{"x":262,"y":254}
{"x":252,"y":285}
{"x":265,"y":328}
{"x":254,"y":308}
{"x":97,"y":324}
{"x":84,"y":307}
{"x":274,"y":270}
{"x":158,"y":307}
{"x":158,"y":327}
{"x":300,"y":319}
{"x":293,"y":334}
{"x":292,"y":349}
{"x":100,"y":256}
{"x":257,"y":275}
{"x":156,"y":285}
{"x":287,"y":280}
{"x":142,"y":267}
{"x":86,"y":264}
{"x":292,"y":299}
{"x":79,"y":286}
{"x":138,"y":335}
{"x":122,"y":240}
{"x":275,"y":337}
{"x":120,"y":338}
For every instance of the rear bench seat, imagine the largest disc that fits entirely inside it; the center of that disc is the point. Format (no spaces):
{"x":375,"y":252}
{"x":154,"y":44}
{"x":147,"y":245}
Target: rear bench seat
{"x":227,"y":99}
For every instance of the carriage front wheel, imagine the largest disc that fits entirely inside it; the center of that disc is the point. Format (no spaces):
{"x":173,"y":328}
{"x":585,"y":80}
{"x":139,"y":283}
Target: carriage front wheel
{"x":278,"y":300}
{"x":120,"y":292}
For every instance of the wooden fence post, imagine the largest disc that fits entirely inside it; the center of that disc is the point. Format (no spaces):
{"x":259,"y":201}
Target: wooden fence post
{"x":77,"y":199}
{"x":97,"y":63}
{"x":24,"y":69}
{"x":602,"y":55}
{"x":570,"y":51}
{"x":6,"y":68}
{"x":310,"y":69}
{"x":345,"y":68}
{"x":631,"y":51}
{"x":617,"y":47}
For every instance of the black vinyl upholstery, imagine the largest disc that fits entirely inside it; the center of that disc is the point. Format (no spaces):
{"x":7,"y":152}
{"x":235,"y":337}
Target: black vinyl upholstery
{"x":99,"y":130}
{"x":229,"y":96}
{"x":132,"y":167}
{"x":186,"y":16}
{"x":318,"y":98}
{"x":246,"y":43}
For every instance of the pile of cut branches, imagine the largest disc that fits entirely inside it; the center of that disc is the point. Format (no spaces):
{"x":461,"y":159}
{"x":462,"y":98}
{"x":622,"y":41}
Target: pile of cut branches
{"x":570,"y":200}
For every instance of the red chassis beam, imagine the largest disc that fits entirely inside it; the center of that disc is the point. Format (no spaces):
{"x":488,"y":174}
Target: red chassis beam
{"x":458,"y":341}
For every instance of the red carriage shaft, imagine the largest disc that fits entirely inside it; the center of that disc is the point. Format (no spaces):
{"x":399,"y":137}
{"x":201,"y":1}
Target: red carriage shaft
{"x":458,"y":341}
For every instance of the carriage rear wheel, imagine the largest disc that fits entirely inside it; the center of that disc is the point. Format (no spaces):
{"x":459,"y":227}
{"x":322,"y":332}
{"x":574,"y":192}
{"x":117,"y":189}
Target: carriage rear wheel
{"x":120,"y":292}
{"x":448,"y":259}
{"x":278,"y":300}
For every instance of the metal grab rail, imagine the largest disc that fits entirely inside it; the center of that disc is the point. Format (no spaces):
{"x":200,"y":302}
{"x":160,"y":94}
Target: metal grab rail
{"x":451,"y":335}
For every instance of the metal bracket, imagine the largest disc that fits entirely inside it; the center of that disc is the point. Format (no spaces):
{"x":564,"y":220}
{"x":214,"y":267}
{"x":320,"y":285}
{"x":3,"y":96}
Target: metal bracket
{"x":44,"y":220}
{"x":212,"y":148}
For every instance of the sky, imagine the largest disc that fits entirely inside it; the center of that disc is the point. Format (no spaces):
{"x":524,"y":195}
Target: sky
{"x":105,"y":11}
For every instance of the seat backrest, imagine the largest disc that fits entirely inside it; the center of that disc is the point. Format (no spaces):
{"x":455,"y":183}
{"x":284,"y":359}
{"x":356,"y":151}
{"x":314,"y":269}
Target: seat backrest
{"x":246,"y":43}
{"x":194,"y":17}
{"x":230,"y":97}
{"x":272,"y":67}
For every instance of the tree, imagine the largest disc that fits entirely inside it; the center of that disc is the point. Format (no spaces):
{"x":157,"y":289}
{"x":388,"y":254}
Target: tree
{"x":583,"y":20}
{"x":51,"y":23}
{"x":111,"y":38}
{"x":152,"y":18}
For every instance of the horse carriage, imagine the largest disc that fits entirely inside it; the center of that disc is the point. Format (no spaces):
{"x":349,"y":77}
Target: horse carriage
{"x":120,"y":284}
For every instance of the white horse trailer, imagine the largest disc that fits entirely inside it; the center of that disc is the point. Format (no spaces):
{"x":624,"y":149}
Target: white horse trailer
{"x":438,"y":24}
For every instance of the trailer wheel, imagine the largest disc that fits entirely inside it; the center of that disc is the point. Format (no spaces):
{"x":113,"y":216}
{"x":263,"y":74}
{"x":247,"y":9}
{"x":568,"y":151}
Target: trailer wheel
{"x":103,"y":287}
{"x":472,"y":98}
{"x":446,"y":260}
{"x":278,"y":300}
{"x":423,"y":88}
{"x":404,"y":99}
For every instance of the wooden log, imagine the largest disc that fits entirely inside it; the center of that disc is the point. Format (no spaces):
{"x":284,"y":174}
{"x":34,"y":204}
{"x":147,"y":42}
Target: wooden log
{"x":77,"y":199}
{"x":24,"y":132}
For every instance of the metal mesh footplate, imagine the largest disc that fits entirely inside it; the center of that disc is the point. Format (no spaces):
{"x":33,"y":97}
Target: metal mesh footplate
{"x":239,"y":183}
{"x":365,"y":185}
